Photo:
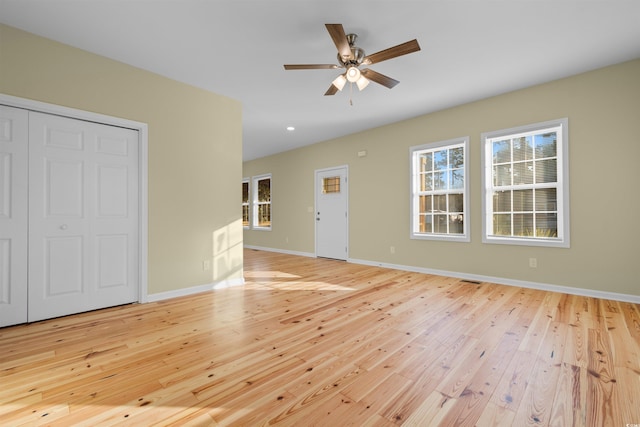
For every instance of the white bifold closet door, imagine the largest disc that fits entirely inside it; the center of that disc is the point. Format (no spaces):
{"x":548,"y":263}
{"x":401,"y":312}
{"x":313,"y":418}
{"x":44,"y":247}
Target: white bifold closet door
{"x":82,"y":220}
{"x":14,"y":216}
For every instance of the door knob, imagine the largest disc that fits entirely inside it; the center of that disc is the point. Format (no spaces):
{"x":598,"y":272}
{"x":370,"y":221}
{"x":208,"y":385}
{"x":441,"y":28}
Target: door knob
{"x":63,"y":227}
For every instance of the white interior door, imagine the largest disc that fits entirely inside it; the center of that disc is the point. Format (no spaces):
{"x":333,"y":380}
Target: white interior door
{"x":83,"y":216}
{"x":13,"y":215}
{"x":332,"y":215}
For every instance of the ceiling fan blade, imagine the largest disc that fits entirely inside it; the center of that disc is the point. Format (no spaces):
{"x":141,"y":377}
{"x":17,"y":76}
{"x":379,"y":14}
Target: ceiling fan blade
{"x":331,"y":91}
{"x":311,"y":66}
{"x":392,"y":52}
{"x":336,"y":31}
{"x":379,"y":78}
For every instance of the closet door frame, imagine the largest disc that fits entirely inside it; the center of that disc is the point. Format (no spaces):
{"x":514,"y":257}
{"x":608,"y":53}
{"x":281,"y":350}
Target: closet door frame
{"x":142,"y":128}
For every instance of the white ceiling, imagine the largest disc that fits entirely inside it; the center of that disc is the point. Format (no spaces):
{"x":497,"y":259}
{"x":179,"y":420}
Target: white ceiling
{"x":471,"y":49}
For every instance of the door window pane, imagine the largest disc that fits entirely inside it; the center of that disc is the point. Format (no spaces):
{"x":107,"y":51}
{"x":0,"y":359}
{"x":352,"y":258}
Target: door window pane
{"x":331,"y":185}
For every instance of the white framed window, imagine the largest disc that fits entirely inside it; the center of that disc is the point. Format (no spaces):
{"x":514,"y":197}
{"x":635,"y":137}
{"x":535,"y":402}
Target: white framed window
{"x":526,"y":185}
{"x":439,"y":191}
{"x":245,"y":203}
{"x":261,"y":217}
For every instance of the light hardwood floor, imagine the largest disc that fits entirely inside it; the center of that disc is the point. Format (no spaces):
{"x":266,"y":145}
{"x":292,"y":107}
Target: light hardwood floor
{"x":319,"y":342}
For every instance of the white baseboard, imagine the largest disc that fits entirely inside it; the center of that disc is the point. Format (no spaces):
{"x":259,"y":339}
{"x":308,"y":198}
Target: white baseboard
{"x":194,"y":290}
{"x":510,"y":282}
{"x":282,"y":251}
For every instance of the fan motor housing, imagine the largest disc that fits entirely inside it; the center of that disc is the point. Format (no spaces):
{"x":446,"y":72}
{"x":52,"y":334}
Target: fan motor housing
{"x":358,"y":53}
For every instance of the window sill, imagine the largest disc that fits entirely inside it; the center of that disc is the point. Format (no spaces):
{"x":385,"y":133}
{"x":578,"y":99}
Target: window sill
{"x":523,"y":241}
{"x":441,"y":237}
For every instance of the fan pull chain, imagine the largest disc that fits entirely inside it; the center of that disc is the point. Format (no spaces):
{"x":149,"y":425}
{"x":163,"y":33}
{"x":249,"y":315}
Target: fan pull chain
{"x":351,"y":94}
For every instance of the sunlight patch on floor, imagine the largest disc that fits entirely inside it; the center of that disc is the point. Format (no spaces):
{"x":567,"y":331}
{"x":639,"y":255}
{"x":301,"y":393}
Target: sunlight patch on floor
{"x":283,"y":281}
{"x":256,"y":274}
{"x":309,"y":286}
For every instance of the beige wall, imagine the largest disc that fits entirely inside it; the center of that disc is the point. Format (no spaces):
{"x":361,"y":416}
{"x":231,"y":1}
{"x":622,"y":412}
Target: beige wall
{"x":603,"y":108}
{"x":195,"y":147}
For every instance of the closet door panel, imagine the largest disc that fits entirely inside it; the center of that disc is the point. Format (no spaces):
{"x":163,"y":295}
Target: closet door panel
{"x":13,"y":215}
{"x":83,"y":216}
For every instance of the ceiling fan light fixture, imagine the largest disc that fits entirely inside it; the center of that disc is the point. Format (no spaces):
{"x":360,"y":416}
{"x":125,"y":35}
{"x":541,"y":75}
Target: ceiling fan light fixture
{"x":350,"y":57}
{"x":362,"y":82}
{"x":340,"y":81}
{"x":353,"y":74}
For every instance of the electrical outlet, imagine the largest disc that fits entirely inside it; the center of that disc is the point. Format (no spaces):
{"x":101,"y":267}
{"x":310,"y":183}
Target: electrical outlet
{"x":392,"y":249}
{"x":206,"y":265}
{"x":533,"y":262}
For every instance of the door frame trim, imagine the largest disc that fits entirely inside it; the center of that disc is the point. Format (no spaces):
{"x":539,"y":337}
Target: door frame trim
{"x":315,"y":207}
{"x":143,"y":161}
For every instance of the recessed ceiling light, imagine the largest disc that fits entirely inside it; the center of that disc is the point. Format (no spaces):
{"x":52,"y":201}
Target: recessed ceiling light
{"x":290,"y":128}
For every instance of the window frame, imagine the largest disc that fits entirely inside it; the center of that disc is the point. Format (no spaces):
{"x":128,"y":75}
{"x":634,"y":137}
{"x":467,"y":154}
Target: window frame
{"x":256,"y":204}
{"x":561,"y":127}
{"x":247,"y":204}
{"x":414,"y":151}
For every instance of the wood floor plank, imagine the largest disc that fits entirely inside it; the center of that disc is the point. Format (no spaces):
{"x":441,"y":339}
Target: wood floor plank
{"x":566,"y":409}
{"x":302,"y":408}
{"x":312,"y":341}
{"x":431,"y":411}
{"x":575,"y":353}
{"x":513,"y":384}
{"x":537,"y":402}
{"x":474,"y":398}
{"x":603,"y":408}
{"x":378,"y":397}
{"x":496,"y":416}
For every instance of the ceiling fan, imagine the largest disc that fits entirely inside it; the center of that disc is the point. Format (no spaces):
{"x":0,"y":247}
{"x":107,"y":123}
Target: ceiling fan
{"x":351,"y":57}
